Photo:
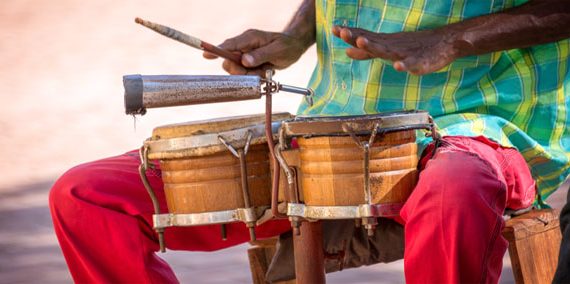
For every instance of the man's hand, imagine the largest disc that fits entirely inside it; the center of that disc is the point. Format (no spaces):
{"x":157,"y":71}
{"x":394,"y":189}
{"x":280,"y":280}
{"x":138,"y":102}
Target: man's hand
{"x":261,"y":50}
{"x":533,"y":23}
{"x":419,"y":52}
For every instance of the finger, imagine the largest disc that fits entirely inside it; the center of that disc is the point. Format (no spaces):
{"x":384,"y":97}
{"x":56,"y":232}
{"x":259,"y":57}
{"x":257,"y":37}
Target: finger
{"x":233,"y":68}
{"x":259,"y":72}
{"x":410,"y":64}
{"x":336,"y":30}
{"x":262,"y":55}
{"x":249,"y":39}
{"x":375,"y":49}
{"x":400,"y":66}
{"x":356,"y":32}
{"x":347,"y":36}
{"x":208,"y":55}
{"x":357,"y":53}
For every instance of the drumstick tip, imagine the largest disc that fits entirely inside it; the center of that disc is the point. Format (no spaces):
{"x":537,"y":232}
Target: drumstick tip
{"x":139,"y":20}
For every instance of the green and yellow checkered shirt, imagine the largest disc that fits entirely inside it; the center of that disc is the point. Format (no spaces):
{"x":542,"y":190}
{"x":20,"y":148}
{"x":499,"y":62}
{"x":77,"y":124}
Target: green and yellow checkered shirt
{"x":518,"y":97}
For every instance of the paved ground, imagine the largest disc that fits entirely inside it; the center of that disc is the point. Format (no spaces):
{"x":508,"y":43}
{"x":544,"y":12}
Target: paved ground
{"x":61,"y":92}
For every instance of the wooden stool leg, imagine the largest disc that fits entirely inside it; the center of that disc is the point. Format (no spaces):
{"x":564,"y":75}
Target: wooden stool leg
{"x":260,"y":257}
{"x":534,"y":242}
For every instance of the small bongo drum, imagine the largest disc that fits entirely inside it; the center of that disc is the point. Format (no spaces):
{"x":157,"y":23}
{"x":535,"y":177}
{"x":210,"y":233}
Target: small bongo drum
{"x":359,"y":167}
{"x":214,"y":171}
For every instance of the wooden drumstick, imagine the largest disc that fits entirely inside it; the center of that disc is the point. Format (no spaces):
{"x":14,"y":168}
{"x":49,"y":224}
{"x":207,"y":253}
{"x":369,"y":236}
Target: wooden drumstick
{"x":190,"y":40}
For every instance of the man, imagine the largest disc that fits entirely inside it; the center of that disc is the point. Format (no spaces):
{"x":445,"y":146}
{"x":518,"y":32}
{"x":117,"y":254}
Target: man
{"x":492,"y":75}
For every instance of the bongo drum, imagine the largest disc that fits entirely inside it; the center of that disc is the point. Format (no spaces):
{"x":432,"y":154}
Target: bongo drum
{"x":214,"y":171}
{"x":359,"y":167}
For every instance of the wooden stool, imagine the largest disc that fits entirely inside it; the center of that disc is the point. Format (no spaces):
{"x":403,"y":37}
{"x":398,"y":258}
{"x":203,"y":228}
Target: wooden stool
{"x":534,"y":242}
{"x":260,"y":255}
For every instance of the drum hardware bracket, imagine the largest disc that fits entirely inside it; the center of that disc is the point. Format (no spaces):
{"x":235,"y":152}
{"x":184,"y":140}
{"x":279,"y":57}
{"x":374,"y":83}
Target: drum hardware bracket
{"x":362,"y":211}
{"x":142,"y":171}
{"x":240,"y":154}
{"x":369,"y":223}
{"x":271,"y":145}
{"x":291,"y":184}
{"x":246,"y":215}
{"x":272,"y":87}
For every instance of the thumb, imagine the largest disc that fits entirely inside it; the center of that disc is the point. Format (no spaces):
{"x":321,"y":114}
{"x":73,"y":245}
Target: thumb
{"x":410,"y":64}
{"x":259,"y":56}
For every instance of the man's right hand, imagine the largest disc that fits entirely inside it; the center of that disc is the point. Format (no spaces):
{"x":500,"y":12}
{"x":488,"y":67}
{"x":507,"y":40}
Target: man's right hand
{"x":260,"y":49}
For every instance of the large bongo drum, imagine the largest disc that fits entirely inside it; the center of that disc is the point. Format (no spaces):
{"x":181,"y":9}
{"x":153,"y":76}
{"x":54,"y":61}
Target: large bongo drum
{"x":214,"y":171}
{"x":359,"y":167}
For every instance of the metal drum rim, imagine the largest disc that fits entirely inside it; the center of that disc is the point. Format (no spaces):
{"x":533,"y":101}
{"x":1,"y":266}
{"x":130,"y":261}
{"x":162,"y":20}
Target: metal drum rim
{"x":203,"y":144}
{"x":305,"y":126}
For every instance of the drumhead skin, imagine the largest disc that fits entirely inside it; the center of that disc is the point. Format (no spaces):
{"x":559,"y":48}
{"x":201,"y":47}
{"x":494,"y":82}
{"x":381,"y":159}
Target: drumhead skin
{"x":199,"y":138}
{"x":358,"y":124}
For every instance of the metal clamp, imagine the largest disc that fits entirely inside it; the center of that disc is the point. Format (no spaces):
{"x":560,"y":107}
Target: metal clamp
{"x":293,"y":189}
{"x":274,"y":87}
{"x":246,"y":215}
{"x":369,"y":223}
{"x":142,"y":172}
{"x":240,"y":154}
{"x":362,"y":211}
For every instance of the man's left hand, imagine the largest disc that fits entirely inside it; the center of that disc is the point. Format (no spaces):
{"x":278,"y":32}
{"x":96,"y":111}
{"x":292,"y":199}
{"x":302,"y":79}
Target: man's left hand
{"x":418,"y":52}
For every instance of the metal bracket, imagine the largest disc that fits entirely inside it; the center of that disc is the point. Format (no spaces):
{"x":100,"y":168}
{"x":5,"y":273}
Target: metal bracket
{"x":369,"y":223}
{"x":246,"y":215}
{"x":240,"y":154}
{"x":272,"y":86}
{"x":362,"y":211}
{"x":156,"y":205}
{"x":293,"y":188}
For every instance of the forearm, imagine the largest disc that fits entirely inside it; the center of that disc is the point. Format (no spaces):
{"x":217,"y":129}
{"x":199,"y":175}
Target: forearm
{"x":537,"y":22}
{"x":302,"y":25}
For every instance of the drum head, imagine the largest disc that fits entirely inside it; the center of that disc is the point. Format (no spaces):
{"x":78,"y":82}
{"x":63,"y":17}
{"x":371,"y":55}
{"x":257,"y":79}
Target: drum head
{"x":357,"y":124}
{"x":199,"y":138}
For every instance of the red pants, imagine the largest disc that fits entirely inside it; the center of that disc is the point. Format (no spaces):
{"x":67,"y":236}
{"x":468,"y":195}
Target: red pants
{"x":453,"y":219}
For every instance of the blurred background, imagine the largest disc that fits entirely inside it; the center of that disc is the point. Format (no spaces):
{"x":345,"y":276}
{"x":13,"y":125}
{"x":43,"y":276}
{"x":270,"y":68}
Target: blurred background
{"x":61,"y":93}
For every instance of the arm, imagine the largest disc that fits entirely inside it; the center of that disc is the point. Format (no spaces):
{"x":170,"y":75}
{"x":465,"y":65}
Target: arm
{"x":278,"y":49}
{"x":421,"y":52}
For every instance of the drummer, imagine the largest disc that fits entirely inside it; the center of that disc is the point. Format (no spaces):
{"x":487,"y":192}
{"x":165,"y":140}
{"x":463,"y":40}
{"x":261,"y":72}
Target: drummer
{"x":494,"y":74}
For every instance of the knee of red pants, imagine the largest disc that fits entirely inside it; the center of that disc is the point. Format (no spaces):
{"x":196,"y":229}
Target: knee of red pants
{"x":111,"y":182}
{"x":455,"y":181}
{"x":454,"y":218}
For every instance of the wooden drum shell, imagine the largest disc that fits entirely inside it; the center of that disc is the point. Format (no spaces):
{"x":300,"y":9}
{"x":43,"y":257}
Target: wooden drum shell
{"x":333,"y":169}
{"x":213,"y":182}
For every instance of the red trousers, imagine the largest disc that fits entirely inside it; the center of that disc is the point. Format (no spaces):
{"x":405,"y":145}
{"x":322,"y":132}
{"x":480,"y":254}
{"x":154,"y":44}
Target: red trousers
{"x":453,"y":219}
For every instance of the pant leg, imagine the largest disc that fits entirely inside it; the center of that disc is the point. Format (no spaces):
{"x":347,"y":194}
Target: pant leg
{"x":102,"y":216}
{"x":453,"y":219}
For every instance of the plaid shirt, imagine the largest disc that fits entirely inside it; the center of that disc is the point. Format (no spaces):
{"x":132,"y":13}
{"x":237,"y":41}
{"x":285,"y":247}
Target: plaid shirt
{"x":516,"y":97}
